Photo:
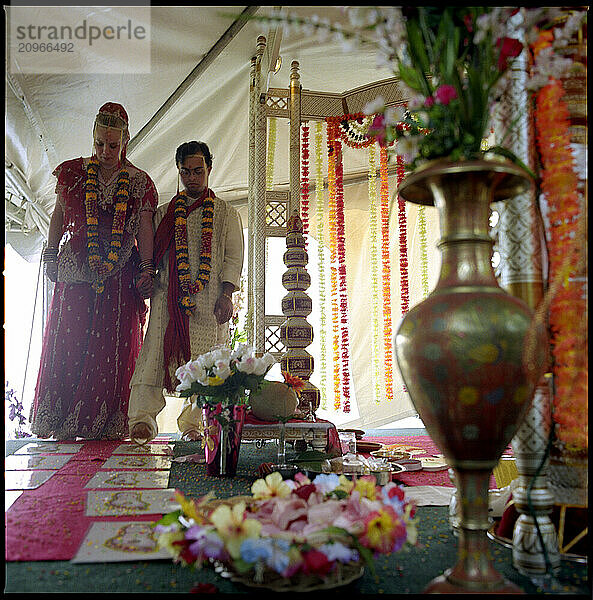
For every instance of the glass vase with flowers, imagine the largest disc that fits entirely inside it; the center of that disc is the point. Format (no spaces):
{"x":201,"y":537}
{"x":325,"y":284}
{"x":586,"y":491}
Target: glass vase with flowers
{"x":220,"y":382}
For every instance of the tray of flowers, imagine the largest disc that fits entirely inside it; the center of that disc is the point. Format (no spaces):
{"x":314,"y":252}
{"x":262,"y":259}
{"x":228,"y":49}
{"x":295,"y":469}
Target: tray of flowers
{"x":291,"y":535}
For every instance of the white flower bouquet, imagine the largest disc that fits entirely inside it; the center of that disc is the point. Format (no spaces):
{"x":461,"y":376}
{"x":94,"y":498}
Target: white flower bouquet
{"x":223,"y":376}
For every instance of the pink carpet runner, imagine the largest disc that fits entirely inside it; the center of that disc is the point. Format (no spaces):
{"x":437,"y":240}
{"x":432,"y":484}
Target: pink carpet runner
{"x":40,"y":530}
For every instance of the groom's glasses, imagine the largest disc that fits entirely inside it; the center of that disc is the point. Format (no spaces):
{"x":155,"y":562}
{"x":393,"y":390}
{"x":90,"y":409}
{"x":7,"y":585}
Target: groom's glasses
{"x":187,"y":172}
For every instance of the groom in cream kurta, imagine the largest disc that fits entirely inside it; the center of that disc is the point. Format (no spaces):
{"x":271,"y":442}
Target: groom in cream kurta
{"x":208,"y":325}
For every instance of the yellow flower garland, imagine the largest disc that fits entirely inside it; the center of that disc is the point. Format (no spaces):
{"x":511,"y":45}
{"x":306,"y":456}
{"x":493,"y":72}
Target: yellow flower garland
{"x":186,"y":287}
{"x":423,"y":249}
{"x":96,"y":262}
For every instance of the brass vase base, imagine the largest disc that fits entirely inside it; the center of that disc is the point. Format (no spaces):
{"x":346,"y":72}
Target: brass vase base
{"x":442,"y":585}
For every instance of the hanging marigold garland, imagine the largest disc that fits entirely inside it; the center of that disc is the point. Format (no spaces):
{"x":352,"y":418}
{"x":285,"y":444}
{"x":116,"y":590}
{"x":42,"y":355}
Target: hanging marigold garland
{"x":403,"y":241}
{"x":320,"y":213}
{"x":186,"y":287}
{"x":423,"y":249}
{"x":333,"y":246}
{"x":342,"y":284}
{"x":272,"y":135}
{"x":559,"y":184}
{"x":373,"y":209}
{"x":95,"y":261}
{"x":387,"y":330}
{"x":305,"y":180}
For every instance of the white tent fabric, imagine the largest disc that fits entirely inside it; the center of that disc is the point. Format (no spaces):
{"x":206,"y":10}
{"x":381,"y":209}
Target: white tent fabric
{"x":49,"y":118}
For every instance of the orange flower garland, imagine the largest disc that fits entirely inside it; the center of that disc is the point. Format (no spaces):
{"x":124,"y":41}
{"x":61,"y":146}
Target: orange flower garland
{"x":96,"y":263}
{"x":186,"y":287}
{"x":386,"y":274}
{"x":333,"y":245}
{"x":343,"y":288}
{"x":559,"y":185}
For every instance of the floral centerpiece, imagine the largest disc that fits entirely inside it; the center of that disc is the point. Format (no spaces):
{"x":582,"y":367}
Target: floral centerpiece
{"x":221,"y":381}
{"x":292,"y":534}
{"x":223,"y":376}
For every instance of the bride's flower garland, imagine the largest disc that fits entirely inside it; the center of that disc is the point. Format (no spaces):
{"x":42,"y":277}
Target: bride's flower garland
{"x":96,"y":262}
{"x":186,"y":287}
{"x":559,"y":185}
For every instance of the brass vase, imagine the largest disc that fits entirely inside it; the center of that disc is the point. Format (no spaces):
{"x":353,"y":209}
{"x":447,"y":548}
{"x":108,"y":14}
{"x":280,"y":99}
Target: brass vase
{"x":462,"y":353}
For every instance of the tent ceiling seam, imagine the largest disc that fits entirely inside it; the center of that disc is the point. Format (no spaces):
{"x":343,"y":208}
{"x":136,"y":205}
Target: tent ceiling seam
{"x":197,"y":72}
{"x":34,"y":119}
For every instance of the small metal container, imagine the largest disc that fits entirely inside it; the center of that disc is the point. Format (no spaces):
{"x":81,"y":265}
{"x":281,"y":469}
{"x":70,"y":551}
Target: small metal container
{"x":382,"y":476}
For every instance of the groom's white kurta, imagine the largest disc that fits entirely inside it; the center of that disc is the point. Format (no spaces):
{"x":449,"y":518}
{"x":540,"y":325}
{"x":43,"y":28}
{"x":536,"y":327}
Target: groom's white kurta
{"x":146,"y":398}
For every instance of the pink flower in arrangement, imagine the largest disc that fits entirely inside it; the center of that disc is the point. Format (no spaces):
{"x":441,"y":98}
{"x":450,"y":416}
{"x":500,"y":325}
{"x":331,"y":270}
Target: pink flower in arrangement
{"x":467,"y":19}
{"x":377,"y":128}
{"x":509,"y":48}
{"x":429,"y":101}
{"x":445,"y":93}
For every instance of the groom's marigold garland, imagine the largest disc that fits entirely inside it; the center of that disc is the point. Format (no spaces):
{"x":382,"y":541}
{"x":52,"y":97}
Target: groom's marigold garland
{"x":567,"y":306}
{"x":186,"y":287}
{"x":96,"y":262}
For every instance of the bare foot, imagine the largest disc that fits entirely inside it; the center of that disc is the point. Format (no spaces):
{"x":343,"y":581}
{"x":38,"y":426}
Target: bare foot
{"x":140,"y":433}
{"x":191,"y":436}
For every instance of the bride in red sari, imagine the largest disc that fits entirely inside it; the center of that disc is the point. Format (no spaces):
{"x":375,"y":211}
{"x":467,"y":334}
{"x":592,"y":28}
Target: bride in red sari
{"x":99,"y":254}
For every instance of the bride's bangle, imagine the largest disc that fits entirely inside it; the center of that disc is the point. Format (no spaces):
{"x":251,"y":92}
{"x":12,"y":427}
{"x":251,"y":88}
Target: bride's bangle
{"x":147,"y":266}
{"x":49,"y":255}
